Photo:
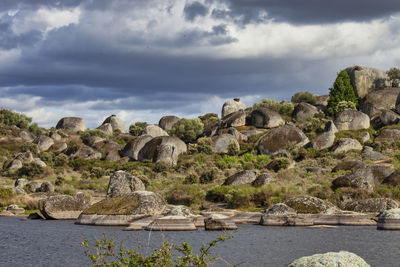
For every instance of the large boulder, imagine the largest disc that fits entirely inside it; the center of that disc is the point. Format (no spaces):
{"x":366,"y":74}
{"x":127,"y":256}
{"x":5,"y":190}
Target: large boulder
{"x":280,"y":209}
{"x":71,"y":124}
{"x":347,"y":144}
{"x":308,"y":205}
{"x":327,"y":138}
{"x":154,"y":131}
{"x":122,"y":184}
{"x":263,"y":179}
{"x":143,"y":203}
{"x":86,"y":152}
{"x":221,"y":143}
{"x":389,"y":135}
{"x":369,"y":153}
{"x":371,"y":205}
{"x":219,"y":223}
{"x":339,"y":259}
{"x":116,"y":123}
{"x":393,"y":179}
{"x":375,"y":102}
{"x":380,"y":172}
{"x":235,"y":119}
{"x":167,"y":122}
{"x":303,"y":111}
{"x":44,"y":142}
{"x":281,"y":138}
{"x":163,"y":149}
{"x":389,"y":117}
{"x":266,"y":118}
{"x":109,"y":149}
{"x":361,"y":178}
{"x":350,"y":119}
{"x":243,"y":177}
{"x":231,"y":106}
{"x":389,"y":220}
{"x":366,"y":80}
{"x":26,"y":136}
{"x":106,"y":128}
{"x":63,"y":207}
{"x":133,"y":147}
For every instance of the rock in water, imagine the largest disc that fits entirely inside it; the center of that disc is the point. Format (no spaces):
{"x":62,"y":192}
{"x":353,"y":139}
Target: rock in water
{"x":279,"y":139}
{"x":371,"y":205}
{"x":122,"y":184}
{"x":63,"y":207}
{"x":219,"y":222}
{"x":171,"y":223}
{"x":163,"y":149}
{"x":116,"y":123}
{"x":308,"y":205}
{"x":366,"y":80}
{"x":71,"y":124}
{"x":350,"y":119}
{"x":231,"y":106}
{"x":389,"y":220}
{"x":334,"y":259}
{"x":167,"y":122}
{"x":266,"y":118}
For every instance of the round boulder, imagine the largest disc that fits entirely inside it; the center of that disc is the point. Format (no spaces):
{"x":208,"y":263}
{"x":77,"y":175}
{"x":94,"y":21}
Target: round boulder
{"x":44,"y":142}
{"x":304,"y":111}
{"x":347,"y":144}
{"x":266,"y":118}
{"x":235,"y":119}
{"x":167,"y":122}
{"x":154,"y":131}
{"x":71,"y":124}
{"x":308,"y":205}
{"x":342,"y":258}
{"x":389,"y":135}
{"x":389,"y":117}
{"x":122,"y":183}
{"x":350,"y":119}
{"x":243,"y":177}
{"x":116,"y":123}
{"x":366,"y":80}
{"x":106,"y":128}
{"x":163,"y":149}
{"x":231,"y":106}
{"x":375,"y":102}
{"x":371,"y":205}
{"x":393,"y":179}
{"x":263,"y":179}
{"x":279,"y":139}
{"x":63,"y":207}
{"x":133,"y":147}
{"x":361,"y":178}
{"x":222,"y":142}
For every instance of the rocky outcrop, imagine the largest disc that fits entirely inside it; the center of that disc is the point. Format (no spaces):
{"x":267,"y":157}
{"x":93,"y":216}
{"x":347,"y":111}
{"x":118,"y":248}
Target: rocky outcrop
{"x":282,"y":215}
{"x":247,"y":218}
{"x":243,"y":177}
{"x":380,"y":172}
{"x":116,"y":123}
{"x":154,"y":131}
{"x":63,"y":207}
{"x":59,"y":147}
{"x":219,"y":222}
{"x":371,"y":205}
{"x":389,"y":220}
{"x":238,"y":135}
{"x":280,"y":209}
{"x":85,"y":152}
{"x":369,"y":153}
{"x":279,"y":139}
{"x":263,"y":179}
{"x":15,"y":164}
{"x":350,"y":119}
{"x":44,"y":142}
{"x":167,"y":122}
{"x":310,"y":205}
{"x":55,"y":136}
{"x":342,"y":258}
{"x":108,"y":148}
{"x":45,"y":187}
{"x":123,"y":210}
{"x":304,"y":111}
{"x":235,"y":119}
{"x":232,"y":106}
{"x":361,"y":178}
{"x":347,"y":144}
{"x":26,"y":136}
{"x":221,"y":143}
{"x":389,"y":117}
{"x":366,"y":80}
{"x":106,"y":128}
{"x":123,"y":184}
{"x":393,"y":179}
{"x":71,"y":124}
{"x":266,"y":118}
{"x":389,"y":135}
{"x":14,"y":209}
{"x":163,"y":149}
{"x":133,"y":147}
{"x":375,"y":102}
{"x":326,"y":139}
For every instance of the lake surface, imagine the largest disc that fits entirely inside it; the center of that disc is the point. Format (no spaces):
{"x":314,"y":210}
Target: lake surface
{"x":57,"y":243}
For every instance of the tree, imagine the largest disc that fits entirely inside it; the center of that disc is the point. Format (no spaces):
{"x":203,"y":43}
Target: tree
{"x":394,"y":76}
{"x":187,"y":129}
{"x":137,"y":128}
{"x":342,"y":90}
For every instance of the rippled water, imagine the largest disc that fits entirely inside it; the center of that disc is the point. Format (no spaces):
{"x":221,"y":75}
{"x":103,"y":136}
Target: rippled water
{"x":56,"y":243}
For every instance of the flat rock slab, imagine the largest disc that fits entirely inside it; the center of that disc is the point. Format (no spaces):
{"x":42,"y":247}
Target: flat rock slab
{"x":389,"y":220}
{"x":140,"y":224}
{"x":284,"y":220}
{"x":171,"y":223}
{"x":341,"y":219}
{"x":248,"y":218}
{"x":219,"y":223}
{"x":107,"y":220}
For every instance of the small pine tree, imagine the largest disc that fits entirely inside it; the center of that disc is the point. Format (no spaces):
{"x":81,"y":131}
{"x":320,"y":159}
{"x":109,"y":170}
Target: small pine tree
{"x":342,"y":90}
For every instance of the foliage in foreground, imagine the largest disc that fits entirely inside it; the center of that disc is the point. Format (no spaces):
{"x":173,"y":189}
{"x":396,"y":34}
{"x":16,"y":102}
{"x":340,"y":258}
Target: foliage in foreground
{"x":105,"y":253}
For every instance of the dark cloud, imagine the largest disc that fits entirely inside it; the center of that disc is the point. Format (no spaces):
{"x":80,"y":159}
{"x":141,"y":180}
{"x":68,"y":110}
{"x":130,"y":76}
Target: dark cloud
{"x":306,"y":12}
{"x":10,"y":40}
{"x":193,"y":10}
{"x":35,"y":4}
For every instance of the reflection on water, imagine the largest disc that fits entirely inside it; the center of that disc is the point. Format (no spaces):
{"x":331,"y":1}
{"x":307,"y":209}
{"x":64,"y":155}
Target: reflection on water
{"x":56,"y":243}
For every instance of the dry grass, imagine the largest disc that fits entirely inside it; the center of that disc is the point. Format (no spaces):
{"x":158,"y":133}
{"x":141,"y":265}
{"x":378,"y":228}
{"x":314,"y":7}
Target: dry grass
{"x":115,"y":206}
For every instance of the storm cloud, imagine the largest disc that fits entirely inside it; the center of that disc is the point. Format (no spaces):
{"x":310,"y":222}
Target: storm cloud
{"x":144,"y":59}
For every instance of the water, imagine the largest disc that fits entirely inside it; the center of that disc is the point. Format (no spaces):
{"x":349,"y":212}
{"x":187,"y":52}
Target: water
{"x":56,"y":243}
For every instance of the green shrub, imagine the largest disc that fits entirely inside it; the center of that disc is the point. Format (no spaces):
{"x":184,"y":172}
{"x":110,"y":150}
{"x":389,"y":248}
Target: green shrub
{"x":9,"y":118}
{"x":48,"y":158}
{"x":227,"y":162}
{"x":85,"y":135}
{"x":60,"y":160}
{"x":185,"y":194}
{"x":204,"y":145}
{"x":191,"y":179}
{"x":30,"y":147}
{"x":306,"y":97}
{"x":343,"y":105}
{"x":233,"y":148}
{"x":279,"y":164}
{"x":394,"y":76}
{"x":30,"y":170}
{"x":209,"y":118}
{"x":187,"y":130}
{"x":137,"y":128}
{"x":342,"y":90}
{"x":284,"y":108}
{"x":59,"y":181}
{"x":208,"y":176}
{"x":6,"y":196}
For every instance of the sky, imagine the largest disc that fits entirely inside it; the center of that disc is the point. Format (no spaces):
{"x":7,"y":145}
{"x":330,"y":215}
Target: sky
{"x":143,"y":59}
